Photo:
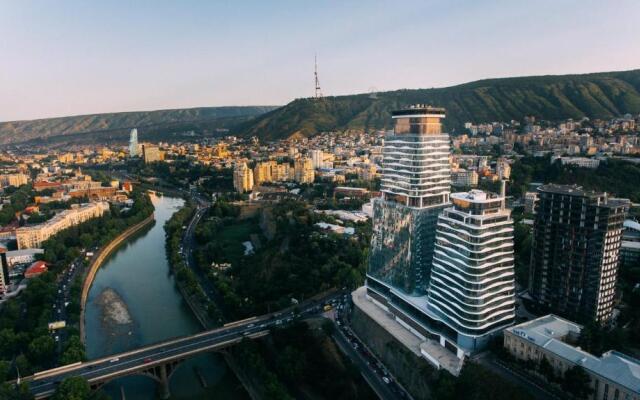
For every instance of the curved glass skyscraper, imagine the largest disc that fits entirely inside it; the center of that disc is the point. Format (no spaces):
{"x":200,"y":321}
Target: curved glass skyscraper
{"x":133,"y":143}
{"x":415,"y":189}
{"x":472,"y":279}
{"x":445,"y":273}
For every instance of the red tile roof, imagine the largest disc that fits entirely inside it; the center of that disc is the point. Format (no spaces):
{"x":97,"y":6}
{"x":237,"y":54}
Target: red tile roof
{"x":37,"y":268}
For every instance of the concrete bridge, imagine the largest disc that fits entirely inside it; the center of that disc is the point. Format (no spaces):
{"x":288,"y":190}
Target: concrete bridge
{"x":160,"y":360}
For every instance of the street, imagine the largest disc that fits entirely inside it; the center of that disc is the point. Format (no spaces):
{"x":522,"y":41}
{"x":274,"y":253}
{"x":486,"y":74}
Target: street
{"x":372,"y":369}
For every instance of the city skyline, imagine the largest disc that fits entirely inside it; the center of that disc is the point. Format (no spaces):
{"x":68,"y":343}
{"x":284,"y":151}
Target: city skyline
{"x":320,"y":200}
{"x":110,"y":58}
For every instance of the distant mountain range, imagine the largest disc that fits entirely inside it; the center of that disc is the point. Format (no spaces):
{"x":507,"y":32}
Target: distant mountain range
{"x":552,"y":97}
{"x":116,"y":126}
{"x":599,"y":95}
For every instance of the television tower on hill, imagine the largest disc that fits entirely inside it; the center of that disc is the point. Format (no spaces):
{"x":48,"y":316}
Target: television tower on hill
{"x":318,"y":93}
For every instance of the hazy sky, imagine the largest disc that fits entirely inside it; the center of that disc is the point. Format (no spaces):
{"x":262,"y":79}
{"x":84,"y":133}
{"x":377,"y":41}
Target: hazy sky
{"x":76,"y":57}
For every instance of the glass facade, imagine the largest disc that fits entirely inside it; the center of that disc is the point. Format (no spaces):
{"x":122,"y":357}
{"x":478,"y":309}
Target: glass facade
{"x":446,"y":271}
{"x":415,"y":189}
{"x":402,"y":245}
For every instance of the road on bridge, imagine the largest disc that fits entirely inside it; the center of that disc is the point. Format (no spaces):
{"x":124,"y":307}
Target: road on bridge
{"x":99,"y":371}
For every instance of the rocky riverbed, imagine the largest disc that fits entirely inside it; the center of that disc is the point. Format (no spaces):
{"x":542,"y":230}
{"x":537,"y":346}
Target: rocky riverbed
{"x":114,"y":309}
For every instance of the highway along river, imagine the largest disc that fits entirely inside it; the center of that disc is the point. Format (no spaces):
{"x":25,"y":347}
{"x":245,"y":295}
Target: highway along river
{"x":134,"y":302}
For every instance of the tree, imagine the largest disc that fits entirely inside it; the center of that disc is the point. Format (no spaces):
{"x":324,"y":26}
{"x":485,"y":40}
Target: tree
{"x":577,"y":382}
{"x":8,"y":341}
{"x":23,"y":365}
{"x":20,"y":392}
{"x":546,"y":369}
{"x":5,"y":366}
{"x":73,"y":352}
{"x":41,"y":349}
{"x":74,"y":388}
{"x":328,"y":328}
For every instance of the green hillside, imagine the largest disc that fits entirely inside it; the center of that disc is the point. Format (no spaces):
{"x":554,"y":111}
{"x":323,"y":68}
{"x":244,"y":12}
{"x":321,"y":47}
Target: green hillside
{"x":100,"y":126}
{"x":600,"y":95}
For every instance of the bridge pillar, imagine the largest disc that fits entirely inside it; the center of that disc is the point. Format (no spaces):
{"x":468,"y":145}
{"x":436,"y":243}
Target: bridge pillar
{"x":163,"y":383}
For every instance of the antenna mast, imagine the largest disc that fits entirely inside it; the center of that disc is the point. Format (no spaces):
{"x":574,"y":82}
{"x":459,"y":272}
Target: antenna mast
{"x":318,"y":93}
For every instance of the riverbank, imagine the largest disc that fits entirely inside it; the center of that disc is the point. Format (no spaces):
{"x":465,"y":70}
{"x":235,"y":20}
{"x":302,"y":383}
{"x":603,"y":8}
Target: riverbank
{"x":191,"y":287}
{"x":97,"y":262}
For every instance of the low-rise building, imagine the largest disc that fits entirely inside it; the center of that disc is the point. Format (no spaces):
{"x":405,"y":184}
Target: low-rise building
{"x":367,"y":172}
{"x":15,"y":180}
{"x":97,"y":193}
{"x":503,"y":169}
{"x":26,"y":256}
{"x":33,"y":236}
{"x":582,"y":162}
{"x":530,"y":199}
{"x":614,"y":376}
{"x":36,"y":269}
{"x":464,"y":178}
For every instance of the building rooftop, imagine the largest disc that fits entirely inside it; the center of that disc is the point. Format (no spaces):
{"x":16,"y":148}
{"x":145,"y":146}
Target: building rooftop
{"x":571,"y":190}
{"x":475,"y":196}
{"x":419,"y":109}
{"x":551,"y":332}
{"x":631,"y":224}
{"x":37,"y":268}
{"x":579,"y":191}
{"x":24,"y":252}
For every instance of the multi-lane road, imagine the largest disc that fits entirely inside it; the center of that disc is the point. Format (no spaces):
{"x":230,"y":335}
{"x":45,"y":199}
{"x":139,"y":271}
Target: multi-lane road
{"x":44,"y":384}
{"x":62,"y":299}
{"x":371,"y":368}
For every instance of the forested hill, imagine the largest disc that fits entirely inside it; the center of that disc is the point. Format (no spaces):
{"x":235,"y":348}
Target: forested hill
{"x":553,"y":97}
{"x":98,"y":125}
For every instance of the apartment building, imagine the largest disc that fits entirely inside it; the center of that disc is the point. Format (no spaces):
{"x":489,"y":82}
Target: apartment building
{"x":613,"y":376}
{"x":33,"y":236}
{"x":575,"y":251}
{"x":151,"y":153}
{"x":15,"y":180}
{"x":472,"y":287}
{"x":242,"y":178}
{"x":303,"y":170}
{"x":464,"y":178}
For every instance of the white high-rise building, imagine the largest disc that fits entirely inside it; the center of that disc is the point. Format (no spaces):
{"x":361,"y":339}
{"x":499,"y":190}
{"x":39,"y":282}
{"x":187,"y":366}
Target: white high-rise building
{"x":415,"y":189}
{"x":242,"y":178}
{"x":415,"y":168}
{"x":317,"y":156}
{"x":472,"y":278}
{"x":445,"y":272}
{"x":303,"y":170}
{"x":133,"y":143}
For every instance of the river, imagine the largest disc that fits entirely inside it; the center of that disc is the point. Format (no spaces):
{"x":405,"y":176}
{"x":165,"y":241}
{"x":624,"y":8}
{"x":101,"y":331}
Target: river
{"x":134,"y":302}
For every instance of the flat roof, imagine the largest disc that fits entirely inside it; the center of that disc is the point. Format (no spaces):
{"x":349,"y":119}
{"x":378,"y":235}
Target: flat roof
{"x":24,"y":252}
{"x":476,"y":196}
{"x":571,"y":190}
{"x":579,"y":191}
{"x":548,"y":331}
{"x":419,"y":109}
{"x":631,"y":224}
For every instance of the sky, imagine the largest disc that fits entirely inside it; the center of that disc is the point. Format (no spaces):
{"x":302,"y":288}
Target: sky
{"x":64,"y":57}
